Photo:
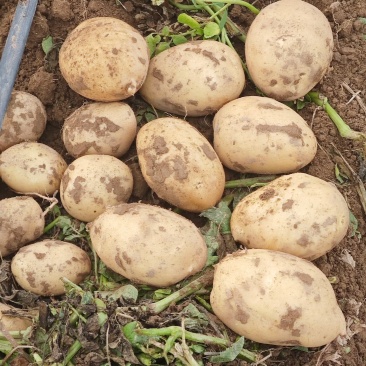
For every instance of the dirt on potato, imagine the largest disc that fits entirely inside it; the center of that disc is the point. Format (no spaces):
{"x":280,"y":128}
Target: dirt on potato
{"x":344,"y":86}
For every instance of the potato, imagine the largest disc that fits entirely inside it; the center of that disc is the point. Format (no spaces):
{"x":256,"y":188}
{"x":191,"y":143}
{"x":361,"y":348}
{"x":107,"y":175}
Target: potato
{"x":25,"y":120}
{"x":100,"y":128}
{"x":179,"y":164}
{"x":276,"y":298}
{"x":21,"y":221}
{"x":93,"y":182}
{"x":288,"y":49}
{"x":296,"y":213}
{"x":260,"y":135}
{"x":38,"y":267}
{"x":11,"y":321}
{"x":104,"y":59}
{"x":194,"y":79}
{"x":148,"y":244}
{"x":32,"y":167}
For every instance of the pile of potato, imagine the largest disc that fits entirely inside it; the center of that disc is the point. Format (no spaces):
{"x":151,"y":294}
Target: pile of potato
{"x":271,"y":292}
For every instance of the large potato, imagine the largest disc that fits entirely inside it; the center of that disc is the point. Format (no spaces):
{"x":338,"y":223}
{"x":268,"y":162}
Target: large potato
{"x":104,"y":59}
{"x":260,"y":135}
{"x":288,"y":49}
{"x":194,"y":79}
{"x":100,"y":128}
{"x":93,"y":182}
{"x":25,"y":120}
{"x":276,"y":298}
{"x":148,"y":244}
{"x":179,"y":164}
{"x":296,"y":213}
{"x":32,"y":167}
{"x":11,"y":321}
{"x":38,"y":267}
{"x":21,"y":221}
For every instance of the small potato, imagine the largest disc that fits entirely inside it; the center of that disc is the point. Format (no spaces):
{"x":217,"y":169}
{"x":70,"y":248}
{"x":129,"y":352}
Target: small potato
{"x":104,"y":59}
{"x":296,"y":213}
{"x":21,"y":221}
{"x":93,"y":182}
{"x":38,"y":267}
{"x":276,"y":298}
{"x":179,"y":164}
{"x":11,"y":321}
{"x":25,"y":120}
{"x":100,"y":128}
{"x":288,"y":49}
{"x":148,"y":244}
{"x":260,"y":135}
{"x":194,"y":79}
{"x":32,"y":167}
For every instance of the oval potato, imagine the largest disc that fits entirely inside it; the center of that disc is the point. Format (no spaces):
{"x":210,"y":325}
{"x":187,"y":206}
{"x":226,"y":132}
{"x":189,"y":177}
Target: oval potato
{"x":38,"y":267}
{"x":148,"y":244}
{"x":296,"y":213}
{"x":93,"y":182}
{"x":276,"y":298}
{"x":21,"y":221}
{"x":288,"y":49}
{"x":32,"y":167}
{"x":100,"y":128}
{"x":10,"y":322}
{"x":104,"y":59}
{"x":194,"y":79}
{"x":260,"y":135}
{"x":179,"y":164}
{"x":25,"y":120}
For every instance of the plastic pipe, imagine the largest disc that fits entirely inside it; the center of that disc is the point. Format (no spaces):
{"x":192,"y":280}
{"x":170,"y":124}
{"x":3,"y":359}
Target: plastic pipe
{"x":13,"y":50}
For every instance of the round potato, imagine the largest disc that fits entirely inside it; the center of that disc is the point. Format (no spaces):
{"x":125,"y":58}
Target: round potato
{"x":38,"y":267}
{"x":288,"y":49}
{"x":25,"y":120}
{"x":260,"y":135}
{"x":194,"y":79}
{"x":159,"y":248}
{"x":296,"y":213}
{"x":11,"y":321}
{"x":21,"y":221}
{"x":93,"y":182}
{"x":276,"y":298}
{"x":32,"y":167}
{"x":100,"y":128}
{"x":104,"y":59}
{"x":179,"y":164}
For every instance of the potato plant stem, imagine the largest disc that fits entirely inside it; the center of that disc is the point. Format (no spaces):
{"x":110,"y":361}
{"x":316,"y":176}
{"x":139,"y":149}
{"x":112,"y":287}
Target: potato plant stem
{"x":248,"y":182}
{"x":250,"y":7}
{"x":73,"y":350}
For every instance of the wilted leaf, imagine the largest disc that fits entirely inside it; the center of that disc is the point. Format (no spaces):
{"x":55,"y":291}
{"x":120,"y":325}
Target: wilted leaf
{"x":230,"y":353}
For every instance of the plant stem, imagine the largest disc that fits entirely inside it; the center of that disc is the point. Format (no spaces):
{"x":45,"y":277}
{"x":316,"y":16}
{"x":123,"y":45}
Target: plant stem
{"x":250,"y":7}
{"x":343,"y":129}
{"x":248,"y":182}
{"x":73,"y":350}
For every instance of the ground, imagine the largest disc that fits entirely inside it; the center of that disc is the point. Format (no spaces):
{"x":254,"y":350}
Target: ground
{"x":41,"y":76}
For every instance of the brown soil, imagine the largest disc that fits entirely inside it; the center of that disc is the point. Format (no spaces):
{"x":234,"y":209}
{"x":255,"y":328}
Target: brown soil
{"x":41,"y":76}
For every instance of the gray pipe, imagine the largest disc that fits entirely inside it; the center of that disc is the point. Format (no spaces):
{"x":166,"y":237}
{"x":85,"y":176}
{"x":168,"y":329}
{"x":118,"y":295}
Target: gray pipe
{"x":13,"y":50}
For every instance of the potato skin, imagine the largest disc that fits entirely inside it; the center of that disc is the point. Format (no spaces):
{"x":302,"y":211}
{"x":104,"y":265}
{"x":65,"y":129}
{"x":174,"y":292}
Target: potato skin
{"x":21,"y":221}
{"x":276,"y":298}
{"x":260,"y":135}
{"x":13,"y":323}
{"x":104,"y":59}
{"x":93,"y":182}
{"x":100,"y":128}
{"x":194,"y":79}
{"x":296,"y":213}
{"x":38,"y":267}
{"x":179,"y":164}
{"x":32,"y":167}
{"x":25,"y":120}
{"x":288,"y":49}
{"x":159,"y":248}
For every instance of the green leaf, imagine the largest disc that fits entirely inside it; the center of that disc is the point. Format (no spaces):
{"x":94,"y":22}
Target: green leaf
{"x":341,"y":177}
{"x":129,"y":331}
{"x":224,"y":16}
{"x":127,"y":292}
{"x":211,"y":30}
{"x":354,"y":226}
{"x":165,"y":31}
{"x":47,"y":45}
{"x":230,"y":353}
{"x":161,"y":293}
{"x":186,"y":19}
{"x":161,"y":47}
{"x":179,"y":39}
{"x":362,"y":20}
{"x":151,"y":43}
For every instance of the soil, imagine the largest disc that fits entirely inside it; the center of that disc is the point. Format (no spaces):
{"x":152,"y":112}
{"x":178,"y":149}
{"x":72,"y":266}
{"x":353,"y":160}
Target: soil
{"x":41,"y":76}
